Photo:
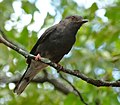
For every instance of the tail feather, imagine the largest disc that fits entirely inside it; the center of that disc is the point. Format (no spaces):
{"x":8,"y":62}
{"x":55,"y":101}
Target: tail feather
{"x":21,"y":86}
{"x":29,"y":74}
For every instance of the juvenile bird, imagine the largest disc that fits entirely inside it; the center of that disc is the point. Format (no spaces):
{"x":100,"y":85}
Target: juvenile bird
{"x":53,"y":44}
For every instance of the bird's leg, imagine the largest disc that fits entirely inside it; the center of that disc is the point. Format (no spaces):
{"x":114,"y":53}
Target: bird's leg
{"x":38,"y":57}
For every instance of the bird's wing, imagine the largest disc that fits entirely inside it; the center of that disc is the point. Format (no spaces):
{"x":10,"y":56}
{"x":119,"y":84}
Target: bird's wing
{"x":48,"y":32}
{"x":31,"y":71}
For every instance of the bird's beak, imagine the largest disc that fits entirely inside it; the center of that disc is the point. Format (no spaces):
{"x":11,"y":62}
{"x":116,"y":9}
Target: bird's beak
{"x":84,"y":20}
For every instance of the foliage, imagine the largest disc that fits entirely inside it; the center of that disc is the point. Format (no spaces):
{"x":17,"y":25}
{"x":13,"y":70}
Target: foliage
{"x":97,"y":42}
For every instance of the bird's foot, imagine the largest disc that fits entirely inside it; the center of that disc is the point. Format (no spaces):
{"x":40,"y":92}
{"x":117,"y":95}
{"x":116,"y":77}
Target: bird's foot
{"x":38,"y":57}
{"x":60,"y":68}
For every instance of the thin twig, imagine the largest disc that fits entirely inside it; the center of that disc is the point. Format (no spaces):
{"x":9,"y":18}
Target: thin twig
{"x":75,"y":89}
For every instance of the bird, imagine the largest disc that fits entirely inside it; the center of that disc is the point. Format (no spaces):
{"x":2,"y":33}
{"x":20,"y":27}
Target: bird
{"x":53,"y":44}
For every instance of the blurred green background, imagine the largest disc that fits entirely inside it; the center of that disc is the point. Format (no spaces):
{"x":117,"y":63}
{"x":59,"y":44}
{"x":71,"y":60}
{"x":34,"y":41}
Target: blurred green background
{"x":98,"y":41}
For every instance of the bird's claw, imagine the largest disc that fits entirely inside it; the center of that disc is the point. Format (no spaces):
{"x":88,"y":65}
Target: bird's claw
{"x":38,"y":57}
{"x":60,"y":68}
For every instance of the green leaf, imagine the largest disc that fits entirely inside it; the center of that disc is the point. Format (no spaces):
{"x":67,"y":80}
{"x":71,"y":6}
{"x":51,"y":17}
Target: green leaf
{"x":72,"y":100}
{"x":29,"y":7}
{"x":4,"y":54}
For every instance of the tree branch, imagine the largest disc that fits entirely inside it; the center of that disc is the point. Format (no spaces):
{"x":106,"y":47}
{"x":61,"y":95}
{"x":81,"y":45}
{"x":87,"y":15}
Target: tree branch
{"x":58,"y":67}
{"x":59,"y":85}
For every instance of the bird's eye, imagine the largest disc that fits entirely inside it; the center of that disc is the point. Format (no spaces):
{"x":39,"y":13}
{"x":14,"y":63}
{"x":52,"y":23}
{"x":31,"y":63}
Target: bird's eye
{"x":73,"y":17}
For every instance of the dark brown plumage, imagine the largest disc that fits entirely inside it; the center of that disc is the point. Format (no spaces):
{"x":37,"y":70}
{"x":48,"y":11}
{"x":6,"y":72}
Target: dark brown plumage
{"x":55,"y":42}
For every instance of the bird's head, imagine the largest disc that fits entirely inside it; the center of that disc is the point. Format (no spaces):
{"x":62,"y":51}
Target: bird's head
{"x":76,"y":19}
{"x":73,"y":22}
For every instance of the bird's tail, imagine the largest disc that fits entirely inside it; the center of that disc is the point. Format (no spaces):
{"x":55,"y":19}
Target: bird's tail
{"x":27,"y":77}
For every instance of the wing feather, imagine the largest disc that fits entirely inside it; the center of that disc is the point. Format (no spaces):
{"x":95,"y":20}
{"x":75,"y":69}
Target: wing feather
{"x":43,"y":37}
